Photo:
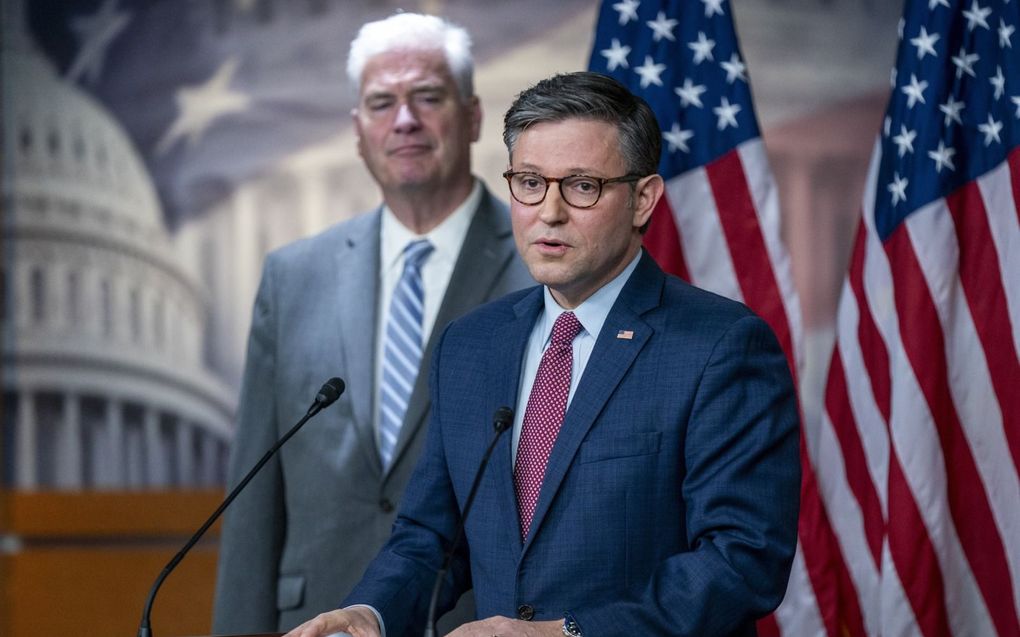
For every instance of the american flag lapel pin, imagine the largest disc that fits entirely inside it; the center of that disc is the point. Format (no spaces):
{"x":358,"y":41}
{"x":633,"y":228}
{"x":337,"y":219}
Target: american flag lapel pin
{"x":625,"y":335}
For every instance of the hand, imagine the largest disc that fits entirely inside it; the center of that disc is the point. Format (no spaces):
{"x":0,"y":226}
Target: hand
{"x":358,"y":621}
{"x":506,"y":627}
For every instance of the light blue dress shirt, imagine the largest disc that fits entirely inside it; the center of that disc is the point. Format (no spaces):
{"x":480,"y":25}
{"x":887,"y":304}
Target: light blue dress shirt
{"x":592,"y":314}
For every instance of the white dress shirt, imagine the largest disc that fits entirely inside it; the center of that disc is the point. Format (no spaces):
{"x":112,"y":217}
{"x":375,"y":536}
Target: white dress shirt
{"x":446,"y":239}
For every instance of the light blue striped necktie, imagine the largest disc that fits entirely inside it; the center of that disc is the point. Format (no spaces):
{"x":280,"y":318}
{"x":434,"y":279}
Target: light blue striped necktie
{"x":402,"y":349}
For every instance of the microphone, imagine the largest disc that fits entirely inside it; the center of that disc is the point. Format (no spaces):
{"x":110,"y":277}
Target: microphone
{"x":327,"y":395}
{"x":502,"y":420}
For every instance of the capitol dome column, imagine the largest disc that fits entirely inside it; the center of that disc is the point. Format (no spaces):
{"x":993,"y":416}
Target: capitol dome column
{"x":155,"y":459}
{"x":209,"y":459}
{"x":68,"y":472}
{"x":25,"y":458}
{"x":111,"y":471}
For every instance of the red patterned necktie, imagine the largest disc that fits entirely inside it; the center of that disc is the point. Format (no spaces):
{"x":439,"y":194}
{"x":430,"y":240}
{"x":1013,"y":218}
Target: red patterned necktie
{"x":543,"y":416}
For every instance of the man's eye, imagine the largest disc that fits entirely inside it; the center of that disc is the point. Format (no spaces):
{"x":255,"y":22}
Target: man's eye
{"x":378,"y":105}
{"x":584,"y":186}
{"x":430,"y":99}
{"x":531,"y":183}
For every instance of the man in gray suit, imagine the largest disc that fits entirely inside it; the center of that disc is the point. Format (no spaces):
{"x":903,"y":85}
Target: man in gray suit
{"x":365,"y":300}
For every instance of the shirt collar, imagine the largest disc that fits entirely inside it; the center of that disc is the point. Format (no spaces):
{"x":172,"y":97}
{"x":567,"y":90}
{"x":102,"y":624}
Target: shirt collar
{"x":593,"y":311}
{"x":446,"y":238}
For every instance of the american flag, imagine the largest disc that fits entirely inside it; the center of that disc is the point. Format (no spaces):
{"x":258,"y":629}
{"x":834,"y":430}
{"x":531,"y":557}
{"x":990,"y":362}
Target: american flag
{"x":920,"y":438}
{"x":719,"y":224}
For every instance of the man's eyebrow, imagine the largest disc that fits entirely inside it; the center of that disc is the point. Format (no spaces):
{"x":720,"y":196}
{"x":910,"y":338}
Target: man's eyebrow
{"x":423,"y":88}
{"x":429,"y":88}
{"x":577,"y":170}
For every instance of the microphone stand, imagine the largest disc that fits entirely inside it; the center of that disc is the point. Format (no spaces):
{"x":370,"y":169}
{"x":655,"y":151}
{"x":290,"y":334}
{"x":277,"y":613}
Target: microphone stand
{"x":326,"y":397}
{"x":501,"y":421}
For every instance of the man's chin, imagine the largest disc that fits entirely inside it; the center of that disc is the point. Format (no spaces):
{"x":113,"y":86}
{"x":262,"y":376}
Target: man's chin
{"x":414,"y":179}
{"x":549,"y":274}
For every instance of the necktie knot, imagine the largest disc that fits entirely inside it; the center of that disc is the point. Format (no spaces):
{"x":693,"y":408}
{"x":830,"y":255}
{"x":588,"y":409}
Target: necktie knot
{"x":415,"y":254}
{"x":565,"y":329}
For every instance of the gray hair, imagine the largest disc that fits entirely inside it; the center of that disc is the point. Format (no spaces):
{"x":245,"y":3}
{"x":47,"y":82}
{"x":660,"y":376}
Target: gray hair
{"x":414,"y":32}
{"x":591,"y":96}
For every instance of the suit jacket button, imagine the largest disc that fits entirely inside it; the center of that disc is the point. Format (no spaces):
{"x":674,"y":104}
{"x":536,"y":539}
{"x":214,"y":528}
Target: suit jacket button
{"x":386,"y":505}
{"x":525,"y":612}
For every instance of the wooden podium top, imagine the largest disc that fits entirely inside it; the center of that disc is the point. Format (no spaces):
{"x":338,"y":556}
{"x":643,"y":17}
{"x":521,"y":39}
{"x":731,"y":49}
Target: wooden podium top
{"x":245,"y":635}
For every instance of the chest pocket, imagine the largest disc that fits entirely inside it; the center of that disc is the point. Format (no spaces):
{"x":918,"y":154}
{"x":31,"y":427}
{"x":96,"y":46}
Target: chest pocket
{"x":290,"y":592}
{"x":619,"y":446}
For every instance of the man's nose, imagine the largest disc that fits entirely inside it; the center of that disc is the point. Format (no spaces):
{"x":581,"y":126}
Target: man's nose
{"x":406,"y":119}
{"x":554,"y":209}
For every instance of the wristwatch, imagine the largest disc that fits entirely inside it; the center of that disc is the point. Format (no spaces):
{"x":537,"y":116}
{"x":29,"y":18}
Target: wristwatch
{"x":570,"y":627}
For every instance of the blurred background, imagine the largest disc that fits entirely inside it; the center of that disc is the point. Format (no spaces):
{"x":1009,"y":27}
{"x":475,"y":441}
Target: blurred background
{"x":155,"y":151}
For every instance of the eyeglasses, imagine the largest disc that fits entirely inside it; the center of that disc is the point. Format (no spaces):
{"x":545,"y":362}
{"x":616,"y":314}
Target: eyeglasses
{"x":580,"y":191}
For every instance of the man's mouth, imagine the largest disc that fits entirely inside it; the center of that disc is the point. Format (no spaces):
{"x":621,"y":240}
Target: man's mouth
{"x":409,"y":149}
{"x":551,"y":246}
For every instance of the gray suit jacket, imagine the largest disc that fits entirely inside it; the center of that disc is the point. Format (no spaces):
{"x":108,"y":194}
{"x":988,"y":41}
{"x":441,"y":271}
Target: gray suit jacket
{"x":298,"y":538}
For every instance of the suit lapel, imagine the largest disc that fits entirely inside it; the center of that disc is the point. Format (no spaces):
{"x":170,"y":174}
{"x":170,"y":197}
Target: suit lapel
{"x":508,"y":355}
{"x":610,"y":360}
{"x":357,"y":285}
{"x":488,"y":247}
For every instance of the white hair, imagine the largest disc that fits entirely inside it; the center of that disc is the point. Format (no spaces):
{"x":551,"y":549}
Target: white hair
{"x":414,"y":32}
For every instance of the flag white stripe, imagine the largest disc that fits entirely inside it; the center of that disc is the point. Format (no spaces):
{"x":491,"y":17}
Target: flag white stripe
{"x":896,"y":615}
{"x":704,"y":245}
{"x":798,"y":614}
{"x":997,"y":193}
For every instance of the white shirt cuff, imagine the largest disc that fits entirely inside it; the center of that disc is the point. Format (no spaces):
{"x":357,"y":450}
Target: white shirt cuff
{"x":378,"y":618}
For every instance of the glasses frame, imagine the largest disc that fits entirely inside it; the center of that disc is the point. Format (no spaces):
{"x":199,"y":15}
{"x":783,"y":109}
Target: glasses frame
{"x":602,"y":181}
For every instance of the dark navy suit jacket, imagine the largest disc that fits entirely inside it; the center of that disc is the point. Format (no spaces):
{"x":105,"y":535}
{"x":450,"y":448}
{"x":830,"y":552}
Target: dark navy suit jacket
{"x":670,"y":501}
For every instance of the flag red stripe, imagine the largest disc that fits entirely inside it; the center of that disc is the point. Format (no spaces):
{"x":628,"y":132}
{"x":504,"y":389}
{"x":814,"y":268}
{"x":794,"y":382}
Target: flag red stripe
{"x":837,"y":405}
{"x":768,"y":627}
{"x":924,"y":344}
{"x":663,"y":241}
{"x":914,"y":555}
{"x":873,"y":349}
{"x":827,"y":570}
{"x":753,"y":267}
{"x":982,"y":285}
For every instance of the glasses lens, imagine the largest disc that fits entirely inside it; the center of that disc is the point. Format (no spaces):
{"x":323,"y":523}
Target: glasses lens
{"x":581,"y":191}
{"x":528,"y":188}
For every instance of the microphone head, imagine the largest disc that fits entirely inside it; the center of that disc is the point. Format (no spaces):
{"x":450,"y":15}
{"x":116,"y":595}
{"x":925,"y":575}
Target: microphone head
{"x":330,"y":392}
{"x":503,"y":419}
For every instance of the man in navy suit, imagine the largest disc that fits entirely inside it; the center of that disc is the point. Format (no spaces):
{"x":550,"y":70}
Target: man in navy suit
{"x":650,"y":484}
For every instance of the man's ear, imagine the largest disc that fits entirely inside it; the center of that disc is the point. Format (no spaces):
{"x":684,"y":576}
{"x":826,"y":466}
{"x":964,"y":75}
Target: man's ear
{"x":475,"y":112}
{"x":356,"y":120}
{"x":647,"y":193}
